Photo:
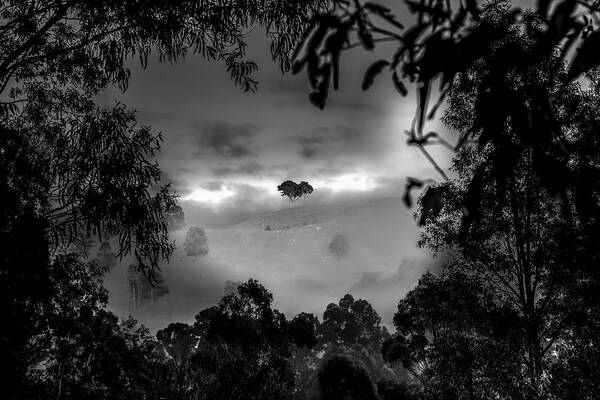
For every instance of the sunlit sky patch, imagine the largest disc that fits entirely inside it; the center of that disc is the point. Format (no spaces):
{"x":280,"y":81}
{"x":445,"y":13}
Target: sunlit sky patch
{"x":214,"y":197}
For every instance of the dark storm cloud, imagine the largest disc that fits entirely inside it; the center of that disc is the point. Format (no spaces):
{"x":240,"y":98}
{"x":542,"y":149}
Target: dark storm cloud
{"x":213,"y":186}
{"x":293,"y":92}
{"x":251,"y":168}
{"x":324,"y":141}
{"x":226,"y":140}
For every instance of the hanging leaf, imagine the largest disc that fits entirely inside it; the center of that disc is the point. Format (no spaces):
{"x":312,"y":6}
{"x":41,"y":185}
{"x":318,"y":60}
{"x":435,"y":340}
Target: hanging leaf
{"x":411,"y":184}
{"x":399,"y":84}
{"x":375,"y":69}
{"x":366,"y":38}
{"x":297,"y":66}
{"x":319,"y":96}
{"x":333,"y":45}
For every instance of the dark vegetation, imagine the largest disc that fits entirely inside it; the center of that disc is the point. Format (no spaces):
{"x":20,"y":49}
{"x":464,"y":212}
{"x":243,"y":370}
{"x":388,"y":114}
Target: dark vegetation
{"x":514,"y":312}
{"x":339,"y":245}
{"x":294,"y":191}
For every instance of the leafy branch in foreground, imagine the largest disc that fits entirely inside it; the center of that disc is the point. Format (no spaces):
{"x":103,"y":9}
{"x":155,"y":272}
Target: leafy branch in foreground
{"x":445,"y":44}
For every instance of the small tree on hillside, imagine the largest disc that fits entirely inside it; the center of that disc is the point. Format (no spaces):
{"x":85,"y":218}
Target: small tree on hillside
{"x":339,"y":245}
{"x":294,"y":191}
{"x":289,"y":189}
{"x":196,"y":243}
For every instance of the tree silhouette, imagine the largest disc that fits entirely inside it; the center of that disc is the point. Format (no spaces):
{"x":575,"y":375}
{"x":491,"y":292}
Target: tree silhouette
{"x":86,"y":351}
{"x":246,"y":346}
{"x":523,"y":249}
{"x":351,"y":330}
{"x":89,"y":44}
{"x":458,"y":339}
{"x":179,"y":340}
{"x":294,"y":191}
{"x":289,"y":189}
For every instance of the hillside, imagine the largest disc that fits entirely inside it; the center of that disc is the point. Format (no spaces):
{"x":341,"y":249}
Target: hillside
{"x":293,"y":260}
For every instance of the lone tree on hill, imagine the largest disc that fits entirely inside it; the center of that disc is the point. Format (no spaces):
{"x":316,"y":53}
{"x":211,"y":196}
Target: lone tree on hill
{"x":294,"y":191}
{"x":339,"y":245}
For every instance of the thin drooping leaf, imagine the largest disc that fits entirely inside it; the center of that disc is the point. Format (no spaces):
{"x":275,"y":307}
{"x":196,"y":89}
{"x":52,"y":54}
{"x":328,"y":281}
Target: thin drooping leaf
{"x":399,"y":85}
{"x":411,"y":184}
{"x":375,"y":69}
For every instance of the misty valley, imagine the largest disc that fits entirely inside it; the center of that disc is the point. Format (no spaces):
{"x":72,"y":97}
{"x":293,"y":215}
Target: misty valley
{"x":300,"y":200}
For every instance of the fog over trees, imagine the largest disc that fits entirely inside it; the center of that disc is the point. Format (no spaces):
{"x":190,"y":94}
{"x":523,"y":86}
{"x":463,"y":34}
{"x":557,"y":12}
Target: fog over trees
{"x":513,"y":312}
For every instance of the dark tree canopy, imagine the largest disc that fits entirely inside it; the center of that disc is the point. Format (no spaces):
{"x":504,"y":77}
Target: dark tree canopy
{"x":343,"y":377}
{"x":509,"y":301}
{"x":350,"y":332}
{"x":293,"y":191}
{"x":87,"y":43}
{"x":458,"y":338}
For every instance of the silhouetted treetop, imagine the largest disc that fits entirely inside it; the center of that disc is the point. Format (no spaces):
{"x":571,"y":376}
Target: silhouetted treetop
{"x":293,"y":191}
{"x":88,"y":43}
{"x":350,"y":322}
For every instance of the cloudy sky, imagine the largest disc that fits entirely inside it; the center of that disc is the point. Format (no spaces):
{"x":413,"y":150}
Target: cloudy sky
{"x":225,"y":152}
